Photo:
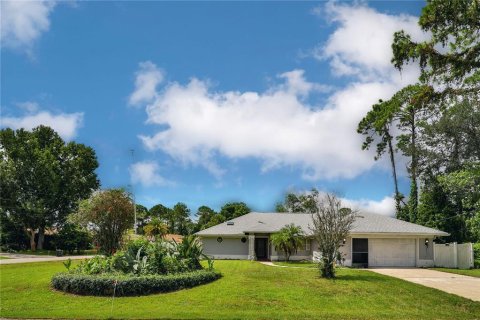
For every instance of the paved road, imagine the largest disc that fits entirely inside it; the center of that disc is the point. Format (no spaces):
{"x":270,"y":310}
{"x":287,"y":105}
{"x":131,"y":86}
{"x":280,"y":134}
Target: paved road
{"x":464,"y":286}
{"x":26,"y":258}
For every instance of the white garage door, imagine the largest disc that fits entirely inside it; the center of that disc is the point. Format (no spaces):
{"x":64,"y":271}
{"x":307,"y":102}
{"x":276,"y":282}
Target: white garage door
{"x":391,"y":252}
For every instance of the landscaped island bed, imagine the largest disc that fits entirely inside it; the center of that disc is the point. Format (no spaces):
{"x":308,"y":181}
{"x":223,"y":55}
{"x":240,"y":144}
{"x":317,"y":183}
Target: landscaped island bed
{"x":247,"y":290}
{"x":123,"y":285}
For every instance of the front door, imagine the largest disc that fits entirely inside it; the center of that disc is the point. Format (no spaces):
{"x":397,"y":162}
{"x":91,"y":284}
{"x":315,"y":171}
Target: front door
{"x":261,"y":248}
{"x":360,"y":252}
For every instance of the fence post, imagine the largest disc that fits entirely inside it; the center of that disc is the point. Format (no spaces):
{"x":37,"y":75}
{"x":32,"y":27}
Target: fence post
{"x":470,"y":255}
{"x":455,"y":256}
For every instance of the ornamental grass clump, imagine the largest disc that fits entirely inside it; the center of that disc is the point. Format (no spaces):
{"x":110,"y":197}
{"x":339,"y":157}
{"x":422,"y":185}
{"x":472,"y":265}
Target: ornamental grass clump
{"x":142,"y":267}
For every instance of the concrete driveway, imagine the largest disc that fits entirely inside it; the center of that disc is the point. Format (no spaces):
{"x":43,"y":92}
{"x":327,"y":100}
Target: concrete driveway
{"x":464,"y":286}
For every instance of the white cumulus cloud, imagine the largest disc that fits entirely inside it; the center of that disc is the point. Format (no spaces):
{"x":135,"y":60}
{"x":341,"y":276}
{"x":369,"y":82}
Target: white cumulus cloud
{"x":278,"y":126}
{"x":275,"y":126}
{"x":361,"y":44}
{"x":65,"y":124}
{"x":386,"y":206}
{"x":147,"y":173}
{"x":22,"y":22}
{"x":148,"y":77}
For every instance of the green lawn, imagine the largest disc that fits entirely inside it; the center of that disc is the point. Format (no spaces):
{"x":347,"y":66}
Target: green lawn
{"x":304,"y":264}
{"x":471,"y":272}
{"x":2,"y":257}
{"x":52,"y":252}
{"x":248,"y":290}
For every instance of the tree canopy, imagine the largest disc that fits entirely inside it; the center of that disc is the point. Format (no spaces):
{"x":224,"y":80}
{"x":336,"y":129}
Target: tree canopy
{"x":109,"y":214}
{"x":436,"y":120}
{"x":43,"y":178}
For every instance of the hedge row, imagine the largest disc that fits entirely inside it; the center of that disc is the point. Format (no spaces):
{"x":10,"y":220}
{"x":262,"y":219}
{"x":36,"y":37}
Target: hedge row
{"x":104,"y":285}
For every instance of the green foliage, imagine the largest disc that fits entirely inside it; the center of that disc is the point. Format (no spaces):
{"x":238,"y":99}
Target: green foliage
{"x":233,"y":210}
{"x":190,"y":250}
{"x":71,"y":237}
{"x":168,"y":265}
{"x":181,"y":223}
{"x":155,"y":228}
{"x":331,"y":224}
{"x":288,"y":240}
{"x":207,"y":217}
{"x":451,"y":56}
{"x":105,"y":285}
{"x":110,"y":212}
{"x":12,"y":235}
{"x":438,"y":119}
{"x":43,"y":178}
{"x":476,"y":255}
{"x":142,"y":257}
{"x":95,"y":265}
{"x":68,"y":264}
{"x":142,"y":215}
{"x":177,"y":219}
{"x":299,"y":203}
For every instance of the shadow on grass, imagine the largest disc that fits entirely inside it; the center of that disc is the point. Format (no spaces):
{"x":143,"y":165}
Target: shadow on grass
{"x":358,"y":277}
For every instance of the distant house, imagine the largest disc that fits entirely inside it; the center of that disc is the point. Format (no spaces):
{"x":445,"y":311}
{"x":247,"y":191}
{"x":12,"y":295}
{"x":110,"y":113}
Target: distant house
{"x":375,"y":240}
{"x":173,"y":237}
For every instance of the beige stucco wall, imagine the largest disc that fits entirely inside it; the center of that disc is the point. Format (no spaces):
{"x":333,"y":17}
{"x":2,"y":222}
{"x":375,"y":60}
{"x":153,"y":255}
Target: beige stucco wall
{"x":345,"y":250}
{"x":229,"y":248}
{"x":300,"y":255}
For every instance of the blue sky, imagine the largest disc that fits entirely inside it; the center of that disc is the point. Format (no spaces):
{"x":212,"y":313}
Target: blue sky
{"x":221,"y":101}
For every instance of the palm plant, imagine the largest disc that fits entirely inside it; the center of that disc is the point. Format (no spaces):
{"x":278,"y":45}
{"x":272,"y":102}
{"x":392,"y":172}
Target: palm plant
{"x":156,"y":228}
{"x":288,"y":240}
{"x":191,"y":250}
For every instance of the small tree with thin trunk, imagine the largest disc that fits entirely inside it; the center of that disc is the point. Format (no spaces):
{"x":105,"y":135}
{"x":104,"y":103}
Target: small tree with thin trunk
{"x":332,"y":223}
{"x":288,"y":240}
{"x":109,"y":214}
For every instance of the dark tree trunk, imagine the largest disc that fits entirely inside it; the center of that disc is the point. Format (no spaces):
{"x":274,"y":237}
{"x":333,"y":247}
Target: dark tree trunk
{"x":31,"y":235}
{"x":394,"y":172}
{"x":41,"y":238}
{"x":413,"y":201}
{"x":328,"y":267}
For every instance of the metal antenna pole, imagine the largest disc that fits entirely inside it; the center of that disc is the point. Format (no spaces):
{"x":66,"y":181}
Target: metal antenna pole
{"x":133,"y":197}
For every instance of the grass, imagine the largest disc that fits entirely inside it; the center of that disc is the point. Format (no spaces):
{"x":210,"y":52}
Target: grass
{"x":52,"y":252}
{"x":248,"y":290}
{"x":304,"y":264}
{"x":470,"y":272}
{"x":2,"y":257}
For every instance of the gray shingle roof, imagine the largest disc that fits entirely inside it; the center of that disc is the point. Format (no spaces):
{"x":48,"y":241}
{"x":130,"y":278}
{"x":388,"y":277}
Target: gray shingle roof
{"x":256,"y":222}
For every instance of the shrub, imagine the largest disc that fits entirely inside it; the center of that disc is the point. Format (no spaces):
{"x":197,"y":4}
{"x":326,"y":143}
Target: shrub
{"x":71,"y":238}
{"x":104,"y":285}
{"x":476,"y":255}
{"x":104,"y":209}
{"x":95,"y":265}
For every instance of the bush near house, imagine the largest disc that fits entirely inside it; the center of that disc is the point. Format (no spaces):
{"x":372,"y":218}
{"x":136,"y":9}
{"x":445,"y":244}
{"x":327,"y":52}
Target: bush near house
{"x":143,"y":267}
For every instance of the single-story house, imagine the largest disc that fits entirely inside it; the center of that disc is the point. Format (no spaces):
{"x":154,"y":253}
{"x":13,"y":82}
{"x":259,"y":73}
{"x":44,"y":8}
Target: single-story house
{"x":374,"y":241}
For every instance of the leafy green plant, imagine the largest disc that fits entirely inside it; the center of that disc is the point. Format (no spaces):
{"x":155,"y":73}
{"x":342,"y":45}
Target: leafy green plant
{"x":95,"y":265}
{"x":476,"y":255}
{"x":190,"y":249}
{"x":288,"y":240}
{"x":68,"y":264}
{"x":71,"y":237}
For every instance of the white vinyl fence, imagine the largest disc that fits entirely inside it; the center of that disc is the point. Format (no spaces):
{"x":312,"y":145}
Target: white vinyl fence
{"x":453,"y":255}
